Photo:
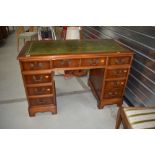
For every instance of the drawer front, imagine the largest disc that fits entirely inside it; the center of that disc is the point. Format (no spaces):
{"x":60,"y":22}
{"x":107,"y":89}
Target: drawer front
{"x":66,"y":63}
{"x":116,"y":73}
{"x":119,"y":60}
{"x":36,"y":65}
{"x":37,"y":78}
{"x":93,"y":62}
{"x":39,"y":90}
{"x":41,"y":101}
{"x":114,"y":93}
{"x":116,"y":84}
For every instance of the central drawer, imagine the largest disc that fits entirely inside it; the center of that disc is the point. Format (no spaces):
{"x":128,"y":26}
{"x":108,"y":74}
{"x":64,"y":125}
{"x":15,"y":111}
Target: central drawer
{"x":66,"y":63}
{"x":38,"y":78}
{"x":93,"y":62}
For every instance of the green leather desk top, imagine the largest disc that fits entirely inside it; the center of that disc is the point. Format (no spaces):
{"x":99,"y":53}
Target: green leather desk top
{"x":57,"y":47}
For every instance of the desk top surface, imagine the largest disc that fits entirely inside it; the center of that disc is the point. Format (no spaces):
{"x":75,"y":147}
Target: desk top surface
{"x":60,"y":47}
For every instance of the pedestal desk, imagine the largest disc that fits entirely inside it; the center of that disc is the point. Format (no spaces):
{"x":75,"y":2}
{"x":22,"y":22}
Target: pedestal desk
{"x":108,"y":63}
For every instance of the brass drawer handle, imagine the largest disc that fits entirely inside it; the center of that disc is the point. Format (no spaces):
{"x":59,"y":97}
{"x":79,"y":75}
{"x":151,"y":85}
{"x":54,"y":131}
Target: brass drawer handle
{"x":122,"y":83}
{"x":35,"y":65}
{"x":41,"y":101}
{"x":116,"y":84}
{"x":102,"y":60}
{"x":66,"y":62}
{"x":120,"y":60}
{"x":113,"y":93}
{"x":37,"y":79}
{"x":117,"y":72}
{"x":93,"y":61}
{"x":41,"y":90}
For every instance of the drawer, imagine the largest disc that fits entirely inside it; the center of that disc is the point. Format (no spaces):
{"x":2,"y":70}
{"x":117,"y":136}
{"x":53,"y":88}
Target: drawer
{"x":43,"y":90}
{"x":41,"y":101}
{"x":119,"y":60}
{"x":119,"y":84}
{"x":93,"y":62}
{"x":66,"y":63}
{"x":114,"y":93}
{"x":116,"y":73}
{"x":35,"y":65}
{"x":37,"y":78}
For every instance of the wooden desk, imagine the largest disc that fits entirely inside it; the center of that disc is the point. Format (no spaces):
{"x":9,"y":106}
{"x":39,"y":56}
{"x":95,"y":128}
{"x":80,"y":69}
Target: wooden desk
{"x":109,"y":65}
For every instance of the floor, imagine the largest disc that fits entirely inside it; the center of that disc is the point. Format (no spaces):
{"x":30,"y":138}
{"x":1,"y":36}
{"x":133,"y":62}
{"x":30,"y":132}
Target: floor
{"x":77,"y":107}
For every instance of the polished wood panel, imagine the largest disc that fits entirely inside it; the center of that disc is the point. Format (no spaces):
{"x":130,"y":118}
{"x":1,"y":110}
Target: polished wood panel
{"x":40,"y":90}
{"x":66,"y":63}
{"x":96,"y":79}
{"x":93,"y":62}
{"x":37,"y":78}
{"x":114,"y":84}
{"x":112,"y":93}
{"x":116,"y":73}
{"x":35,"y":65}
{"x":41,"y":101}
{"x":119,"y":60}
{"x":42,"y":108}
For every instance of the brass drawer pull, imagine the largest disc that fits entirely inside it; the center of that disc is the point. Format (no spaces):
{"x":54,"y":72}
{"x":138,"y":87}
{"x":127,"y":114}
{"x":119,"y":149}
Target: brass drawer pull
{"x":37,"y":79}
{"x":102,"y":60}
{"x":120,"y":60}
{"x":41,"y":90}
{"x":93,"y":61}
{"x":113,"y":93}
{"x":35,"y":65}
{"x":116,"y":84}
{"x":66,"y":62}
{"x":41,"y":101}
{"x":117,"y":72}
{"x":122,"y":83}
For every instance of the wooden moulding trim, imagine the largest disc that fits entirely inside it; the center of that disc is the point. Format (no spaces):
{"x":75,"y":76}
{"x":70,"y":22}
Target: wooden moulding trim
{"x":40,"y":96}
{"x":74,"y":55}
{"x":43,"y":108}
{"x":123,"y":66}
{"x":49,"y":71}
{"x":114,"y":79}
{"x":78,"y":68}
{"x":39,"y":85}
{"x":112,"y":101}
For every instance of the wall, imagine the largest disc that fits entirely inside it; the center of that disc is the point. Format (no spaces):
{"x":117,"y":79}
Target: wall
{"x":140,"y":88}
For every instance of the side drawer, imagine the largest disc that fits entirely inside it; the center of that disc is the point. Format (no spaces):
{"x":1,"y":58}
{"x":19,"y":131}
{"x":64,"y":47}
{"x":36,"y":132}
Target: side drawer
{"x":116,"y":73}
{"x":66,"y":63}
{"x":114,"y":93}
{"x":35,"y":65}
{"x":37,"y":78}
{"x":93,"y":62}
{"x":41,"y":101}
{"x":119,"y":60}
{"x":43,"y":90}
{"x":119,"y":84}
